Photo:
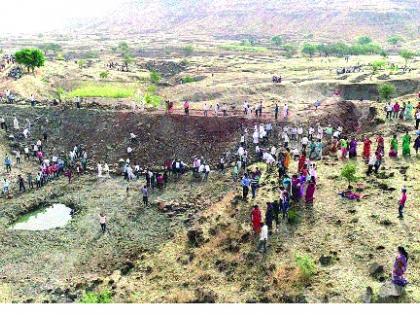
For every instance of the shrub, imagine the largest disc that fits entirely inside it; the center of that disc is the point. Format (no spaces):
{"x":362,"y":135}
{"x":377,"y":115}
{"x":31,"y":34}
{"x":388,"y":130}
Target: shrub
{"x":102,"y":297}
{"x":293,"y":217}
{"x":290,"y":50}
{"x":188,"y":79}
{"x":155,"y":77}
{"x":386,"y":90}
{"x":363,"y":40}
{"x":309,"y":49}
{"x":104,"y":75}
{"x":277,"y":40}
{"x":306,"y":265}
{"x":188,"y":50}
{"x":348,"y":172}
{"x":378,"y":65}
{"x":407,"y":55}
{"x":395,"y":39}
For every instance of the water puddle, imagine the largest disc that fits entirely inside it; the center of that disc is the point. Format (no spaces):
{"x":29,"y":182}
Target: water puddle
{"x":55,"y":216}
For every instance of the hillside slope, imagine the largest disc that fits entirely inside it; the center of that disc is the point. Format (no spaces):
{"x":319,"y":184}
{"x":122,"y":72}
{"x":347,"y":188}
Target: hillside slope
{"x":264,"y":17}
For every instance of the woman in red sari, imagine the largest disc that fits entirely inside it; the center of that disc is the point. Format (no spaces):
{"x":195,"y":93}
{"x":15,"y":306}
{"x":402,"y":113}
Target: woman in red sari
{"x":256,"y":219}
{"x":366,"y":148}
{"x":301,"y":163}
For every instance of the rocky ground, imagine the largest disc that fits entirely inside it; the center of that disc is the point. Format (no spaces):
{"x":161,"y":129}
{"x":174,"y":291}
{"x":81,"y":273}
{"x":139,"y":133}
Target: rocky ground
{"x":194,"y":244}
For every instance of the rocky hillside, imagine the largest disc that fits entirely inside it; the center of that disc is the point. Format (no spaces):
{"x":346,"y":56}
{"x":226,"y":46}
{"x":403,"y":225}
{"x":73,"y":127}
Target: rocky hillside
{"x":321,"y":18}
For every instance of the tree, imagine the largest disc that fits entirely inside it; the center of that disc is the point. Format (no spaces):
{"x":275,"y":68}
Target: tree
{"x":104,"y":75}
{"x":348,"y":172}
{"x":364,"y":40}
{"x":81,"y":63}
{"x":395,"y":39}
{"x":155,"y":77}
{"x":277,"y":40}
{"x":309,"y":49}
{"x":188,"y":50}
{"x":31,"y":58}
{"x":55,"y":48}
{"x":386,"y":90}
{"x":407,"y":55}
{"x":290,"y":50}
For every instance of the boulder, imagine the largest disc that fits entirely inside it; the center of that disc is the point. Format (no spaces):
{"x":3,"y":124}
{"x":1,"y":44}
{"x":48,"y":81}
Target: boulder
{"x":376,"y":270}
{"x":390,"y":293}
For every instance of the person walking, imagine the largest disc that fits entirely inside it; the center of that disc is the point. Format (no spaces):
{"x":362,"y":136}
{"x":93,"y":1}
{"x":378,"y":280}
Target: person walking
{"x":145,"y":194}
{"x":102,"y":222}
{"x":262,"y":244}
{"x":245,"y":182}
{"x":401,"y":203}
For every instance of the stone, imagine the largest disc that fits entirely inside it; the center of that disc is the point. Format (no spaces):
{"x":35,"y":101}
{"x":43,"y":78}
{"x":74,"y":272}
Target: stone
{"x":390,"y":293}
{"x":195,"y":237}
{"x":376,"y":270}
{"x":325,"y":260}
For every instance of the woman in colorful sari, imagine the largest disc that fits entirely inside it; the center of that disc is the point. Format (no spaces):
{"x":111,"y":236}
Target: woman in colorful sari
{"x":301,"y":163}
{"x":381,"y":145}
{"x":408,"y":114}
{"x":406,"y":144}
{"x":400,"y":267}
{"x":366,"y":148}
{"x":318,"y":150}
{"x":353,"y":149}
{"x":296,"y":191}
{"x":344,"y":145}
{"x":310,"y":191}
{"x":256,"y":218}
{"x":393,"y":151}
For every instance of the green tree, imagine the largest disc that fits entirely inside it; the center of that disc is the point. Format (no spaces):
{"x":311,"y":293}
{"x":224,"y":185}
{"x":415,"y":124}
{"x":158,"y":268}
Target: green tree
{"x":364,"y":40}
{"x":348,"y":172}
{"x":289,"y":50}
{"x":395,"y":39}
{"x":407,"y":55}
{"x":386,"y":91}
{"x":188,"y":50}
{"x":55,"y":48}
{"x":31,"y":58}
{"x":81,"y":63}
{"x":155,"y":77}
{"x":309,"y":49}
{"x":277,"y":40}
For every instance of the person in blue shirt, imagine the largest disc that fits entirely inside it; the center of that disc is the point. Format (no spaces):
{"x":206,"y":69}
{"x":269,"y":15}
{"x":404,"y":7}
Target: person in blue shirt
{"x":245,"y":182}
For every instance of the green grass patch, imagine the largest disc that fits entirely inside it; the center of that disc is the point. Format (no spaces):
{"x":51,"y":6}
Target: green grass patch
{"x":102,"y":90}
{"x":102,"y":297}
{"x":241,"y":47}
{"x":306,"y":265}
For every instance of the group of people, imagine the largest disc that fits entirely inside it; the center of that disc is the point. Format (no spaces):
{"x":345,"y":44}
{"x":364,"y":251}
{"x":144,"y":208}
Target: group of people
{"x":405,"y":111}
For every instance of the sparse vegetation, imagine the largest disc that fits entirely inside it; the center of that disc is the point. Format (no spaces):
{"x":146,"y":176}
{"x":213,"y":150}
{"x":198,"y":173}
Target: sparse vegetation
{"x":155,"y":77}
{"x":103,"y":297}
{"x":188,"y":50}
{"x":364,"y":40}
{"x":309,"y":49}
{"x":407,"y":55}
{"x":395,"y":39}
{"x":103,"y":90}
{"x":240,"y":47}
{"x":277,"y":40}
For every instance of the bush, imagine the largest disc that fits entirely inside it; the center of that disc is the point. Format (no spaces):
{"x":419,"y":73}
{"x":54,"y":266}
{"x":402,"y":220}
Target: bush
{"x":155,"y":77}
{"x":187,"y":79}
{"x":188,"y":50}
{"x":309,"y":49}
{"x":395,"y":39}
{"x":407,"y":55}
{"x":290,"y":50}
{"x":386,"y":91}
{"x":293,"y":217}
{"x":306,"y":265}
{"x":378,"y":65}
{"x":31,"y":58}
{"x":104,"y":75}
{"x":277,"y":40}
{"x":364,"y":40}
{"x":103,"y":297}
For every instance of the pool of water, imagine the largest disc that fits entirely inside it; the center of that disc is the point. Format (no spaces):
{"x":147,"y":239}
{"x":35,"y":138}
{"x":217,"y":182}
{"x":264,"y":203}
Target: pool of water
{"x":55,"y":216}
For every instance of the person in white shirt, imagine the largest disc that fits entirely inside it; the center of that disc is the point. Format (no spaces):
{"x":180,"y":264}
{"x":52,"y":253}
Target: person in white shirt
{"x":129,"y":150}
{"x":206,"y":109}
{"x":106,"y":170}
{"x":304,"y":142}
{"x":99,"y":167}
{"x":206,"y":172}
{"x":15,"y":123}
{"x":273,"y":150}
{"x":25,"y":133}
{"x":311,"y":131}
{"x":300,"y":132}
{"x":241,"y":152}
{"x":262,"y":245}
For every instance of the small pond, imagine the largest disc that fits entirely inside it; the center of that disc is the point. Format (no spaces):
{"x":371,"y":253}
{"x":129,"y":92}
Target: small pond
{"x":55,"y":216}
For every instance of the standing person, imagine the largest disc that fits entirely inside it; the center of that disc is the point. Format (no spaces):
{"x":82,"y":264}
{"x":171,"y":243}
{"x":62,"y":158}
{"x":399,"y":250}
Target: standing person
{"x":393,"y":150}
{"x":269,"y":216}
{"x":380,"y":144}
{"x":254,"y":185}
{"x":102,"y":222}
{"x":145,"y":194}
{"x":406,"y":145}
{"x":400,"y":267}
{"x":276,"y":111}
{"x":245,"y":182}
{"x":396,"y":110}
{"x":417,"y":119}
{"x":371,"y":164}
{"x":262,"y":244}
{"x":186,"y":108}
{"x":389,"y":109}
{"x":366,"y":148}
{"x":8,"y":164}
{"x":21,"y":184}
{"x":276,"y":209}
{"x":353,"y":148}
{"x":32,"y":99}
{"x":417,"y":144}
{"x":256,"y":219}
{"x":30,"y":181}
{"x":285,"y":111}
{"x":401,"y":203}
{"x":15,"y":123}
{"x":310,"y":191}
{"x":205,"y":109}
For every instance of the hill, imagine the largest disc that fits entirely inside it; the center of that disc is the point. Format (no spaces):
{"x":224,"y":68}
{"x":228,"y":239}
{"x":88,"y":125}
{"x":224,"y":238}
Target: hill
{"x":225,"y":18}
